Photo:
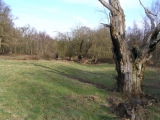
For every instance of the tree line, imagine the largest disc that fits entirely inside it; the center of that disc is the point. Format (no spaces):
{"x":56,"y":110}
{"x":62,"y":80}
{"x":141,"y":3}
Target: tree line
{"x":81,"y":40}
{"x":27,"y":40}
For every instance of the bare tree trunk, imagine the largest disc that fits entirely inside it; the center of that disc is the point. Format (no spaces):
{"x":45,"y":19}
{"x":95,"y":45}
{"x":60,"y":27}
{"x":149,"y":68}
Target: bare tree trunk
{"x":130,"y":62}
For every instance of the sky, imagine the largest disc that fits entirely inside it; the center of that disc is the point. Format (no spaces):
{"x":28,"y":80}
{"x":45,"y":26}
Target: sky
{"x":63,"y":15}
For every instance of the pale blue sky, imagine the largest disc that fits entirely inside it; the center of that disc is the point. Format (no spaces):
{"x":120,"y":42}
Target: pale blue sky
{"x":62,"y":15}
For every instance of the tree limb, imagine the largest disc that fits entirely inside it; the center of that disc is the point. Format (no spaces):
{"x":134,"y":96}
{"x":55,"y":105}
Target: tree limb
{"x":155,"y":38}
{"x":149,"y":13}
{"x":106,"y":25}
{"x":105,"y":4}
{"x":150,"y":42}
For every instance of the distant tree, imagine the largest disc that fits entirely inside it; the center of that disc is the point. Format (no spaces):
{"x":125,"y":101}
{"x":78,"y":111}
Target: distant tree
{"x":86,"y":42}
{"x":134,"y":35}
{"x":66,"y":45}
{"x":6,"y":28}
{"x":31,"y":42}
{"x":23,"y":40}
{"x":83,"y":38}
{"x":102,"y":43}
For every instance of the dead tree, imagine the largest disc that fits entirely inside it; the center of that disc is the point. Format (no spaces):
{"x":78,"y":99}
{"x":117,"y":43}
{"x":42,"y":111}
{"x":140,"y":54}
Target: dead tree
{"x":130,"y":62}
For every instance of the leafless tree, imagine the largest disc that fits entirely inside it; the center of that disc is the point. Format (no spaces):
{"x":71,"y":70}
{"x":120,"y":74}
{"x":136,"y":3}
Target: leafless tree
{"x":130,"y":62}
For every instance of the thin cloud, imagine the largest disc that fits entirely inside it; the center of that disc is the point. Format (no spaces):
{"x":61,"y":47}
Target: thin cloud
{"x":81,"y":20}
{"x":44,"y":24}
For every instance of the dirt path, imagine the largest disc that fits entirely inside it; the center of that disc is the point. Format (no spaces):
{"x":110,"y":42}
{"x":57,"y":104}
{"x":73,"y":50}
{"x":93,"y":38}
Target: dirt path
{"x":100,"y":86}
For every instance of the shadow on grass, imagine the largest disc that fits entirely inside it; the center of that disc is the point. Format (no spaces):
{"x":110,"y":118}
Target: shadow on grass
{"x":79,"y":75}
{"x":87,"y":77}
{"x":151,"y":82}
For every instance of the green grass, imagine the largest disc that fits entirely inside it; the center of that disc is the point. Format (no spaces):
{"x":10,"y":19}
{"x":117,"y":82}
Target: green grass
{"x":152,"y":87}
{"x":51,"y":90}
{"x":152,"y":81}
{"x":39,"y":90}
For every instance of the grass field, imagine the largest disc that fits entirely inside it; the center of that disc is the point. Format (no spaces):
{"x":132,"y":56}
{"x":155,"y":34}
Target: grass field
{"x":58,"y":90}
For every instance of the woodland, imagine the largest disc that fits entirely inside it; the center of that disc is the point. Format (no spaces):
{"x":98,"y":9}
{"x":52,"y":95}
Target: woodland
{"x":90,"y":43}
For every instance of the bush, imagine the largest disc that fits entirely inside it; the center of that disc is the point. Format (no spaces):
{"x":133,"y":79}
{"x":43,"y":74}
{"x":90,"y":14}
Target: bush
{"x":48,"y":56}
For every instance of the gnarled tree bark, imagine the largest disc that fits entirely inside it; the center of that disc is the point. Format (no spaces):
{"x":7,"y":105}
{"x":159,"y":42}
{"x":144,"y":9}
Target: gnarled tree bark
{"x":130,"y":62}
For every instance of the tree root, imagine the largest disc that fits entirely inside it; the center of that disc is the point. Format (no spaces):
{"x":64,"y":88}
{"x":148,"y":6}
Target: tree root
{"x":135,"y":109}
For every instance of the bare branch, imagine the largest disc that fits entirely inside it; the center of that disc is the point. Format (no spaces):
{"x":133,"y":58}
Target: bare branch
{"x":155,"y":38}
{"x":107,"y":5}
{"x":150,"y":42}
{"x":104,"y":12}
{"x":149,"y":13}
{"x":106,"y":25}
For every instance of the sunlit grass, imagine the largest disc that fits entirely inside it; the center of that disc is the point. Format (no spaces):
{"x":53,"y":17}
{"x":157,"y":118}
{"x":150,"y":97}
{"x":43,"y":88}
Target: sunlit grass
{"x":41,"y":90}
{"x":52,"y":90}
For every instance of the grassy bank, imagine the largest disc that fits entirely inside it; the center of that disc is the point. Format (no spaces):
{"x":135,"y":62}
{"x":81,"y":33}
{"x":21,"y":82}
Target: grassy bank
{"x":58,"y":90}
